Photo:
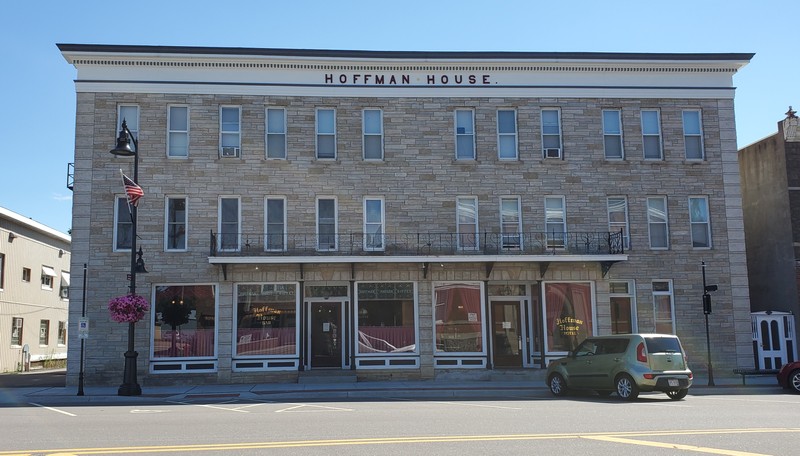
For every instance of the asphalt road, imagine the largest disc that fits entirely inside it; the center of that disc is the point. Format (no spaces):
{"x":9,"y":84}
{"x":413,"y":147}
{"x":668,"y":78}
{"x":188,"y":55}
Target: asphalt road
{"x":40,"y":378}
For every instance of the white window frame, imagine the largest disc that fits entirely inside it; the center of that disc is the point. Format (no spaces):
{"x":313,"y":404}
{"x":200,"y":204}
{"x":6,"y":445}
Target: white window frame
{"x":176,"y":132}
{"x":507,"y":137}
{"x":467,"y":202}
{"x":371,"y":134}
{"x":44,"y":330}
{"x":555,"y":239}
{"x":651,"y":221}
{"x":276,"y":131}
{"x":225,"y":135}
{"x":671,"y":296}
{"x":547,"y":150}
{"x":335,"y":235}
{"x":609,"y":132}
{"x":320,"y":134}
{"x":17,"y":323}
{"x":467,"y":133}
{"x":693,"y":223}
{"x":268,"y":235}
{"x":510,"y":241}
{"x":690,"y":134}
{"x":647,"y":134}
{"x":63,"y":289}
{"x":48,"y":277}
{"x":630,"y":294}
{"x":132,"y":122}
{"x":120,"y":217}
{"x":168,"y":223}
{"x":223,"y":234}
{"x":613,"y":226}
{"x":369,"y":224}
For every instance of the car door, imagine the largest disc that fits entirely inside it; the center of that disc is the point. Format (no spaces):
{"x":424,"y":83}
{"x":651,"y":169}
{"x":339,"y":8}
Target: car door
{"x":580,"y":367}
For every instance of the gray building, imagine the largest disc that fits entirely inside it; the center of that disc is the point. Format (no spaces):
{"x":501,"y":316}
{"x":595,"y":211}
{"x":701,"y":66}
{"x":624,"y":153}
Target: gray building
{"x":394,"y":215}
{"x":34,"y":293}
{"x":770,"y":170}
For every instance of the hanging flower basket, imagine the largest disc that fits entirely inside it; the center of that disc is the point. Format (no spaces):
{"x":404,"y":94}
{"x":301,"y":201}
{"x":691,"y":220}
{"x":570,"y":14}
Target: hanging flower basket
{"x":128,"y":309}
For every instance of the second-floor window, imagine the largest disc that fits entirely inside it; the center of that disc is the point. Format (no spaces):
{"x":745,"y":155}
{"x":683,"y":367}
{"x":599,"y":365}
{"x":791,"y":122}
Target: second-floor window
{"x":465,"y":134}
{"x":700,"y":222}
{"x":326,"y":225}
{"x":130,"y":114}
{"x":275,"y":221}
{"x":48,"y":275}
{"x":551,"y":133}
{"x":467,"y":223}
{"x":123,"y":226}
{"x":2,"y":269}
{"x":507,"y":134}
{"x":693,"y":135}
{"x":618,"y":217}
{"x":230,"y":124}
{"x":555,"y":221}
{"x":510,"y":223}
{"x":651,"y":134}
{"x":326,"y":134}
{"x":63,"y":290}
{"x":178,"y":132}
{"x":657,"y":222}
{"x":373,"y":134}
{"x":612,"y":134}
{"x":276,"y":133}
{"x":177,"y":224}
{"x":229,"y":223}
{"x":373,"y":224}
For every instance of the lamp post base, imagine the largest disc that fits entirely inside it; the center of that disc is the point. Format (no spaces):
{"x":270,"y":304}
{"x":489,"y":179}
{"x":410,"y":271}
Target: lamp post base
{"x":130,"y":387}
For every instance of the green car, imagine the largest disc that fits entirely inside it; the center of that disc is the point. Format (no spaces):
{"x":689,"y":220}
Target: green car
{"x":626,"y":364}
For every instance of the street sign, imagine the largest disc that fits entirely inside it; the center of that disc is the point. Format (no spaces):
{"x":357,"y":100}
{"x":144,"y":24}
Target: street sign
{"x":83,"y":328}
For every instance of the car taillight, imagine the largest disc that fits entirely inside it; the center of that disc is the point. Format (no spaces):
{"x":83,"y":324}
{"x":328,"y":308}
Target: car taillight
{"x":641,"y":356}
{"x":691,"y":375}
{"x":649,"y":376}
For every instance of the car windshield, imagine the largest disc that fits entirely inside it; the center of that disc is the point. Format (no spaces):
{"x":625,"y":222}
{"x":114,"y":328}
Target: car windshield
{"x":663,"y":345}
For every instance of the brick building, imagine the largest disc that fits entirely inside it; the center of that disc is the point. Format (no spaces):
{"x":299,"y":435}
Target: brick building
{"x":404,"y":214}
{"x":770,"y":170}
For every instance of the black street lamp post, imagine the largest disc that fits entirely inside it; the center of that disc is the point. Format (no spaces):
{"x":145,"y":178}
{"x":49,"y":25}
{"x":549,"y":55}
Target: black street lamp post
{"x":130,"y":385}
{"x":706,"y":312}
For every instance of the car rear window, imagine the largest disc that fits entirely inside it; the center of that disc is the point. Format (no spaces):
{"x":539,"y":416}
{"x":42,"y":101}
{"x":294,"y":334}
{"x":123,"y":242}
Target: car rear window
{"x":662,"y":345}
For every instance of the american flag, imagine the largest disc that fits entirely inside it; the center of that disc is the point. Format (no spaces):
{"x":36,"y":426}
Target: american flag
{"x":133,"y":191}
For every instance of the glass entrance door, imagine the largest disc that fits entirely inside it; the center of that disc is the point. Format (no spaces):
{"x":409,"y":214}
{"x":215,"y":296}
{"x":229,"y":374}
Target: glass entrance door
{"x":506,"y":333}
{"x":325,"y":332}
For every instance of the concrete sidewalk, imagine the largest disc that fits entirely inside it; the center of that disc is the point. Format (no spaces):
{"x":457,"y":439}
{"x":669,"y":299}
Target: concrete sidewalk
{"x":497,"y":389}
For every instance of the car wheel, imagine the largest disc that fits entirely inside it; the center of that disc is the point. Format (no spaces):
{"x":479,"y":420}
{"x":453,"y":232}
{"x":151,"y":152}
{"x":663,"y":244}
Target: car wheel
{"x":678,"y":394}
{"x":557,"y":384}
{"x":794,"y":380}
{"x":626,"y":388}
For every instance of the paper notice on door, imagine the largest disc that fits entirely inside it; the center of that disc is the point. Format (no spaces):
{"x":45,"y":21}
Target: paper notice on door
{"x":326,"y":327}
{"x":472,"y":316}
{"x":506,"y":325}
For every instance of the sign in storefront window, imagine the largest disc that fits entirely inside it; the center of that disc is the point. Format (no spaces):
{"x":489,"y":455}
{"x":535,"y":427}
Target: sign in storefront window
{"x":458,"y":314}
{"x":266,"y":319}
{"x":185,"y":321}
{"x":386,"y":318}
{"x":569,"y":319}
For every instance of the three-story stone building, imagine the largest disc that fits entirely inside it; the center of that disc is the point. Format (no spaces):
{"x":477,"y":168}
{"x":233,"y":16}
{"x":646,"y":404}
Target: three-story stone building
{"x":401,"y":214}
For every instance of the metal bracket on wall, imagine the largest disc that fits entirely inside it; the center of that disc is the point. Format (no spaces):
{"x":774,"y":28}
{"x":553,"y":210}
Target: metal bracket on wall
{"x":606,"y":266}
{"x":425,"y":267}
{"x":543,"y":268}
{"x":224,"y":270}
{"x":352,"y":271}
{"x":302,"y":272}
{"x":489,"y":267}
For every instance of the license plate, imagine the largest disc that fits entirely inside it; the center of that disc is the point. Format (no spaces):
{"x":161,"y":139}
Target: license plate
{"x":673,"y":382}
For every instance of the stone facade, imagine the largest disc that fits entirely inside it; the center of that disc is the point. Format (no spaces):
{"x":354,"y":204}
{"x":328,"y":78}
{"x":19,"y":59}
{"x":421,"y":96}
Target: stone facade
{"x":419,"y":180}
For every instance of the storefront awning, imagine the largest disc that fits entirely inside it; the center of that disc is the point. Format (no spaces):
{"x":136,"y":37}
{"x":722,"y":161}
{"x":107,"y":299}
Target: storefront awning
{"x":65,"y":278}
{"x":48,"y":271}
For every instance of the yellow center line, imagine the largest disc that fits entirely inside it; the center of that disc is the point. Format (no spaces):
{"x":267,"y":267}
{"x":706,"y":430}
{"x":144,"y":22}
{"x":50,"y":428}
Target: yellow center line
{"x":615,"y":437}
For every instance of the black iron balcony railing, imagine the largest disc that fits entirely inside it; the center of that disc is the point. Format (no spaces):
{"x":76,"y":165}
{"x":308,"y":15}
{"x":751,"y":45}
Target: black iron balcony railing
{"x":416,"y":244}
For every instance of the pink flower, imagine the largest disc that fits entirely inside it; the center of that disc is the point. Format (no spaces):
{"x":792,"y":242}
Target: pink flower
{"x":128,"y":309}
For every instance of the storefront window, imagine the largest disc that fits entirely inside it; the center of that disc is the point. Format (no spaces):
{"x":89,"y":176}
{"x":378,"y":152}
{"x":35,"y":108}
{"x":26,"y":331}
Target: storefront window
{"x":458,"y":315}
{"x":568,"y":307}
{"x":185,"y":321}
{"x":386,"y":318}
{"x":266,"y":319}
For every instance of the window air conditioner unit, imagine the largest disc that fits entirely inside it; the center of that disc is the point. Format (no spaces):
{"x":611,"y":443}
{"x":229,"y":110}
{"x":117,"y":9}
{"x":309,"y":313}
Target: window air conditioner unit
{"x":64,"y":293}
{"x":230,"y":151}
{"x":552,"y":153}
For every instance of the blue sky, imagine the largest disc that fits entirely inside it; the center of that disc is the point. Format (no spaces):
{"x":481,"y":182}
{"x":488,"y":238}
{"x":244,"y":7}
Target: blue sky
{"x":37,"y":103}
